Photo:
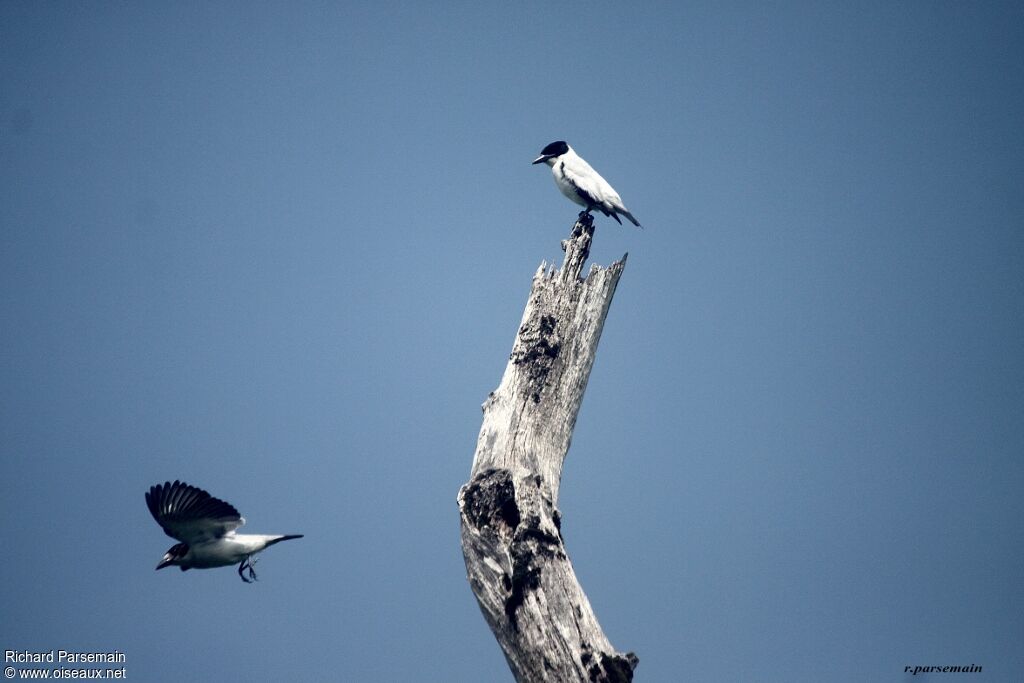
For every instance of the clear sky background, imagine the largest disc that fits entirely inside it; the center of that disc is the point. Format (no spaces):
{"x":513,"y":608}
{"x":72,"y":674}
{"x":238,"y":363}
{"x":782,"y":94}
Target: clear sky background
{"x":281,"y":250}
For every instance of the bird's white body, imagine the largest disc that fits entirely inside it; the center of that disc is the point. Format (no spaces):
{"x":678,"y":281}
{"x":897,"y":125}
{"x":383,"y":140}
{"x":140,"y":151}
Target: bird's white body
{"x":578,"y":181}
{"x":227,"y":550}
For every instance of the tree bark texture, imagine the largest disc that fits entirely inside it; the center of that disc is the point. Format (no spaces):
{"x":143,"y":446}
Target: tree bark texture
{"x":511,"y":527}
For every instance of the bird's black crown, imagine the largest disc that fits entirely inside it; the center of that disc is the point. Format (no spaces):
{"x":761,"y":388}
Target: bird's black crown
{"x":555,"y":149}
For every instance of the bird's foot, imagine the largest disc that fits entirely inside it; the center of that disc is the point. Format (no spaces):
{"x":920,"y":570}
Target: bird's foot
{"x":247,"y":563}
{"x":585,"y":217}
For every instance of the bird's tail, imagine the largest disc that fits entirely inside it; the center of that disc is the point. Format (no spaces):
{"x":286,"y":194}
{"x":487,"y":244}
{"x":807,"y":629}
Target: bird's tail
{"x":286,"y":537}
{"x":631,"y":218}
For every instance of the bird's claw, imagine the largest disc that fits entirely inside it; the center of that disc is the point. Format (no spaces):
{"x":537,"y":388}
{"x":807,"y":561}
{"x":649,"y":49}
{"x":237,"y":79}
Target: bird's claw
{"x":247,"y":563}
{"x":585,"y":217}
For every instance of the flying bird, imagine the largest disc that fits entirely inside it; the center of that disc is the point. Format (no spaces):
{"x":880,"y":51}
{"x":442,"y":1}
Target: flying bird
{"x":581,"y":183}
{"x":206,"y":528}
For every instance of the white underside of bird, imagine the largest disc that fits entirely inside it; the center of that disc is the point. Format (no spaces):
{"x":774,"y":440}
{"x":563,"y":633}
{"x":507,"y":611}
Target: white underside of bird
{"x":229,"y":549}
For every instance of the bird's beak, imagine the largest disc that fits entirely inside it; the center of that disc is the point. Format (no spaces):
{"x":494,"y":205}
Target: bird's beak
{"x":166,"y":562}
{"x":541,"y":159}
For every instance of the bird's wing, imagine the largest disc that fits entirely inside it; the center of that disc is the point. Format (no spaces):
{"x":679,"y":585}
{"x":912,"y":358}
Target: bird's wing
{"x":589,"y":183}
{"x":190,"y":514}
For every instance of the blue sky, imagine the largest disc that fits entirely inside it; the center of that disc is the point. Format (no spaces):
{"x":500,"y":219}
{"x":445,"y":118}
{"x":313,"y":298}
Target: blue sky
{"x":280,"y":251}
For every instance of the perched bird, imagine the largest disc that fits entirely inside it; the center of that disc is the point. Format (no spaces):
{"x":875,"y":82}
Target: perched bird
{"x":206,"y":528}
{"x":581,"y":183}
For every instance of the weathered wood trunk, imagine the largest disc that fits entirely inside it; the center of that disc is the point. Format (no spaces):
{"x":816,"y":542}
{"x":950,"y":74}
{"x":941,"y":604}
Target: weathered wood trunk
{"x":511,"y":538}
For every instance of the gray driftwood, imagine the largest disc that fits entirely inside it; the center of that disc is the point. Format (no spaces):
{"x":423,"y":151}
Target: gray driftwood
{"x":511,"y":527}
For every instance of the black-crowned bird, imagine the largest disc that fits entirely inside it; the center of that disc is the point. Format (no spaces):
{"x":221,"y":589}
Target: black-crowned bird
{"x":205,"y":527}
{"x":582,"y":184}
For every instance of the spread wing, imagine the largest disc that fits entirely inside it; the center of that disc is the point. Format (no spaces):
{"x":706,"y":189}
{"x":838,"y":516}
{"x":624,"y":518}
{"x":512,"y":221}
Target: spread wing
{"x":190,"y":514}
